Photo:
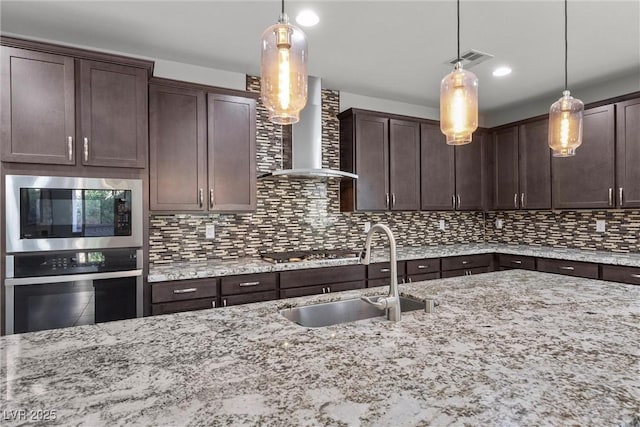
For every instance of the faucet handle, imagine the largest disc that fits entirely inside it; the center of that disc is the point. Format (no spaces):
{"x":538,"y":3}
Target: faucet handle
{"x":380,"y":303}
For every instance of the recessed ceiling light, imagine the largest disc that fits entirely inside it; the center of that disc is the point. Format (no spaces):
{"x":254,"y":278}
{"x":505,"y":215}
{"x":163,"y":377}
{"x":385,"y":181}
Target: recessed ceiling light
{"x":501,"y":71}
{"x":307,"y":18}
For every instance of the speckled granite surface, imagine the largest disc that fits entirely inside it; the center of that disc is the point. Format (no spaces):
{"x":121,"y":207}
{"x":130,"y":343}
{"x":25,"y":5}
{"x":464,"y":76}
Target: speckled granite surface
{"x":217,"y":268}
{"x":505,"y":348}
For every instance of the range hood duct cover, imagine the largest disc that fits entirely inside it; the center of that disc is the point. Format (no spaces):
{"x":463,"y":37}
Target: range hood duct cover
{"x":302,"y":150}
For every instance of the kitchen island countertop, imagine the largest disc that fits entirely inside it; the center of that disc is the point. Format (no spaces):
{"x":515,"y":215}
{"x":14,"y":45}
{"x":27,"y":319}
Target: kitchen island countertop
{"x":198,"y":269}
{"x":504,"y":348}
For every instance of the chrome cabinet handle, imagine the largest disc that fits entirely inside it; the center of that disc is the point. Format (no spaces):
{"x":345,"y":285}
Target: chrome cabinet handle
{"x":224,"y":302}
{"x":636,"y":276}
{"x":185,"y":291}
{"x":465,"y":262}
{"x":619,"y":194}
{"x":384,"y":270}
{"x":410,"y":280}
{"x":522,"y":200}
{"x":516,"y":261}
{"x":515,"y":200}
{"x":211,"y":197}
{"x":70,"y":147}
{"x":458,"y":201}
{"x":328,"y":289}
{"x":422,"y":267}
{"x":453,"y":200}
{"x":86,"y":149}
{"x":247,"y":284}
{"x":567,"y":268}
{"x":387,"y":201}
{"x":201,"y":196}
{"x":610,"y":196}
{"x":393,"y":199}
{"x":324,"y":290}
{"x":213,"y":304}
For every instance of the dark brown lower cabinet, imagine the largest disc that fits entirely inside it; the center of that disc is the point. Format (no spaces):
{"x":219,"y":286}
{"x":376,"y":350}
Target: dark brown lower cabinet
{"x":183,"y":295}
{"x":465,"y":272}
{"x":568,"y":268}
{"x":248,"y":288}
{"x":321,"y":280}
{"x":381,"y":270}
{"x":466,"y":262}
{"x":422,"y":266}
{"x":508,"y":262}
{"x":374,"y":283}
{"x":423,"y":277}
{"x":617,"y":273}
{"x":180,"y":306}
{"x":323,"y":289}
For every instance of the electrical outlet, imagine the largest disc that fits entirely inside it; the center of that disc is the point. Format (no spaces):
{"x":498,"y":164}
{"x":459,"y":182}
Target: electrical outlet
{"x":499,"y":223}
{"x":441,"y":225}
{"x":601,"y":225}
{"x":367,"y":226}
{"x":210,"y":231}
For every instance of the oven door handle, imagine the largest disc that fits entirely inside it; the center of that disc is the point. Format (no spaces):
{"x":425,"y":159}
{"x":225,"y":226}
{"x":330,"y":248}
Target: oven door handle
{"x":43,"y":280}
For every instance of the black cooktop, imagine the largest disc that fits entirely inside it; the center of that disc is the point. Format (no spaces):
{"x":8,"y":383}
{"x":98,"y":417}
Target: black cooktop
{"x":298,"y":256}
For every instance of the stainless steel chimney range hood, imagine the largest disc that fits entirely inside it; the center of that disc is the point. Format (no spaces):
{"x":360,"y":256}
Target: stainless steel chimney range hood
{"x":302,"y":151}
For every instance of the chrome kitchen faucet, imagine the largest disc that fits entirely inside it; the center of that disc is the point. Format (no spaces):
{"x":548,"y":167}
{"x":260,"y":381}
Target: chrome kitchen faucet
{"x":392,"y":302}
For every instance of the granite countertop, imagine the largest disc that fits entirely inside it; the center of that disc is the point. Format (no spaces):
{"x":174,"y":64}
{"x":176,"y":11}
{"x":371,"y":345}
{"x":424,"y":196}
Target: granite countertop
{"x":504,"y":348}
{"x":217,"y":268}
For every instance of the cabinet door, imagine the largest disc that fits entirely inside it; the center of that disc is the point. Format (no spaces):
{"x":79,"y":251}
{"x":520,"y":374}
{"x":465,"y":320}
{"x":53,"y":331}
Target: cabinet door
{"x":404,"y":165}
{"x":232,"y":153}
{"x":113,"y":108}
{"x":535,"y":165}
{"x":372,"y":163}
{"x":469,"y":174}
{"x":506,"y":193}
{"x":37,"y":107}
{"x":437,"y":170}
{"x":178,"y":148}
{"x":586,"y":180}
{"x":628,"y":153}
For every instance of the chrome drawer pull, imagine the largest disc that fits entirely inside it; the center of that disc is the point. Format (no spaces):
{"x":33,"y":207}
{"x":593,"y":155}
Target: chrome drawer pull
{"x":465,"y":262}
{"x":516,"y":261}
{"x":70,"y":146}
{"x":567,"y":268}
{"x":610,"y":196}
{"x":515,"y":200}
{"x":422,"y":267}
{"x":185,"y":291}
{"x":636,"y":276}
{"x":86,"y":149}
{"x":384,"y":270}
{"x":201,"y":197}
{"x":247,"y":284}
{"x":619,"y":194}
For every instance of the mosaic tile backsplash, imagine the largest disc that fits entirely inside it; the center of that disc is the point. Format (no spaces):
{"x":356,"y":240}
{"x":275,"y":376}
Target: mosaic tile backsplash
{"x":305,"y":214}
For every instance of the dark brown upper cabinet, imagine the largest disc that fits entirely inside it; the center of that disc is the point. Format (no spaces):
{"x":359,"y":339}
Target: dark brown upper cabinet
{"x":470,"y":170}
{"x":113,"y":115}
{"x":178,"y":148}
{"x":522,"y":167}
{"x":587,"y":180}
{"x":628,"y":153}
{"x":202,"y":148}
{"x":63,"y":104}
{"x":38,"y":107}
{"x":437,"y":170}
{"x":385,"y":153}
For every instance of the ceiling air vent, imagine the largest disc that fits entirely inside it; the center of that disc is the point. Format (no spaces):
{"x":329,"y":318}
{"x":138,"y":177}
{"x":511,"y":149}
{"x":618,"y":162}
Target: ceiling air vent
{"x":470,"y":58}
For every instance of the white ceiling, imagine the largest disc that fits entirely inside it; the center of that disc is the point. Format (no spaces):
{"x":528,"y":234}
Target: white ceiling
{"x":388,"y":49}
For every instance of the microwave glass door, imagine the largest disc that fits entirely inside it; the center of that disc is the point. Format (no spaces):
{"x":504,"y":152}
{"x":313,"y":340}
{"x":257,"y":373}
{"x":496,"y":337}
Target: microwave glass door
{"x":47,"y":213}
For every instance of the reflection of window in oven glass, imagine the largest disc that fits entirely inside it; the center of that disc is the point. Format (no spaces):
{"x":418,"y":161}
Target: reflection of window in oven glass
{"x":99,"y":215}
{"x":96,"y":257}
{"x":76,"y":209}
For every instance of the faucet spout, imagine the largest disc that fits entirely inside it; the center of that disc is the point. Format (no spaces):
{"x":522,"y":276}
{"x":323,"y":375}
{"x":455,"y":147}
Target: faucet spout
{"x":392,"y":301}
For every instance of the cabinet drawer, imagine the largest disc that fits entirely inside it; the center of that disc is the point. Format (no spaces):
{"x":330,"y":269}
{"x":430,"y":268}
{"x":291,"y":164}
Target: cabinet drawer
{"x":247,"y":298}
{"x":465,"y":272}
{"x":382,"y":269}
{"x":314,"y":290}
{"x":183,"y":290}
{"x":422,"y":266}
{"x":374,"y":283}
{"x":179,"y":306}
{"x":617,"y":273}
{"x":421,"y":277}
{"x":248,"y":283}
{"x":568,"y":268}
{"x":517,"y":261}
{"x":321,"y":276}
{"x":466,"y":262}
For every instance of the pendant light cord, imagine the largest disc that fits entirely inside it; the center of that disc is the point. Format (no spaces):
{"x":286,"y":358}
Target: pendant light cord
{"x":459,"y":30}
{"x":283,"y":7}
{"x":566,"y":46}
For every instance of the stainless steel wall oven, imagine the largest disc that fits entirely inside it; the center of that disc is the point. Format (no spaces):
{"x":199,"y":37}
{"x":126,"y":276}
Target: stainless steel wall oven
{"x":74,"y":251}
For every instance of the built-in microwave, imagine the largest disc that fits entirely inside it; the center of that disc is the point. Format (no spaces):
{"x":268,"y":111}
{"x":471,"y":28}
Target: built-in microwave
{"x":45,"y":213}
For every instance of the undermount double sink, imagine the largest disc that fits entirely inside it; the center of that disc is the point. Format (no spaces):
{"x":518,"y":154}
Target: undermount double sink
{"x":333,"y":313}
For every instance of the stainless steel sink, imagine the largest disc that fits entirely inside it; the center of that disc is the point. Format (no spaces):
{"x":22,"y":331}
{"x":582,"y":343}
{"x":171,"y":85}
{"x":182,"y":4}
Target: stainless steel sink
{"x":333,"y":313}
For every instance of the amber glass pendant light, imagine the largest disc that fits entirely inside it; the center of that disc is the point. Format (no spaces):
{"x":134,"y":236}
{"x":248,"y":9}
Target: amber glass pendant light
{"x":459,"y":102}
{"x":284,"y":71}
{"x":565,"y":115}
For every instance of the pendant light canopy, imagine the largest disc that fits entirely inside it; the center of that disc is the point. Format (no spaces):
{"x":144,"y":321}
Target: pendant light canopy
{"x":284,"y":71}
{"x":565,"y":115}
{"x":459,"y":102}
